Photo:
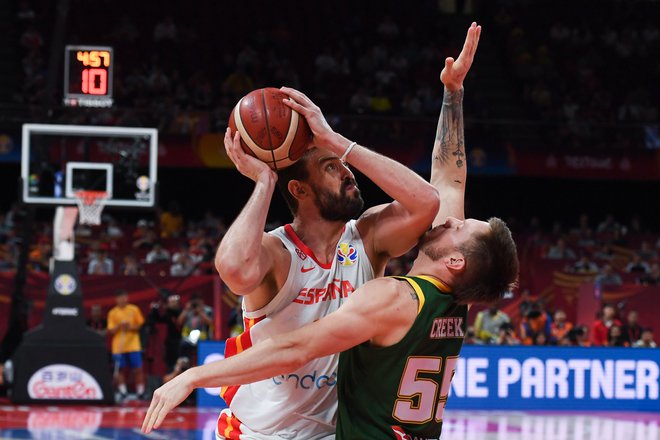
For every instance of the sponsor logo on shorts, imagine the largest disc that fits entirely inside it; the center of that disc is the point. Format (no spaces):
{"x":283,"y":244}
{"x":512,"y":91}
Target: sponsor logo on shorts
{"x":310,"y":381}
{"x":347,"y":255}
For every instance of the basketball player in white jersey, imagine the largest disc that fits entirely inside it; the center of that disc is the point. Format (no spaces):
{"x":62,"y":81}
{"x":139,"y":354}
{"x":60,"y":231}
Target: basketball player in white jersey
{"x":363,"y":317}
{"x":305,"y":270}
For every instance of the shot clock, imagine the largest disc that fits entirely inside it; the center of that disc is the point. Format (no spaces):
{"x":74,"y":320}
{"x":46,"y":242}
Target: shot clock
{"x":88,"y":76}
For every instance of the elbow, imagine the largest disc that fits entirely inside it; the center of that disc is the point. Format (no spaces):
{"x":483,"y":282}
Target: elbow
{"x":429,"y":200}
{"x":240,"y":278}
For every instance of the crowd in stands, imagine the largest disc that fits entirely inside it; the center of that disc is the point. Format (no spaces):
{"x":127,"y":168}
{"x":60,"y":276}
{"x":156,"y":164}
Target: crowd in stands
{"x":578,"y":72}
{"x":162,"y":245}
{"x":568,"y":71}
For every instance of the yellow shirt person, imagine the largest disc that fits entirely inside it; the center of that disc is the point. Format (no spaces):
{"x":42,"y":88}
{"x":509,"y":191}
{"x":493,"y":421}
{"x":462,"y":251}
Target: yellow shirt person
{"x":124,"y":323}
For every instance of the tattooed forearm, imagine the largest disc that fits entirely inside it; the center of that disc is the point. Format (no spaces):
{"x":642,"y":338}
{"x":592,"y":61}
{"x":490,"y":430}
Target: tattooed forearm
{"x":450,"y":138}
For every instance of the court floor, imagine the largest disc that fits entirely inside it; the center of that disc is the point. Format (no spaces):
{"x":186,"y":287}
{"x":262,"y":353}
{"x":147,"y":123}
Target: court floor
{"x":102,"y":423}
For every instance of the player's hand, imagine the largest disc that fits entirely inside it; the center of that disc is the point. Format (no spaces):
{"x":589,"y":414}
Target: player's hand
{"x":165,"y":399}
{"x":312,"y":113}
{"x":247,"y":165}
{"x":455,"y":71}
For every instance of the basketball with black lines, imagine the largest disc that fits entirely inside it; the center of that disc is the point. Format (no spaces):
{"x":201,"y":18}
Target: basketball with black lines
{"x":270,"y":130}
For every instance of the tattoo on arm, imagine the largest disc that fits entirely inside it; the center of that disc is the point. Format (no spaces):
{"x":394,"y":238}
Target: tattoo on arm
{"x":450,"y":136}
{"x":414,"y":296}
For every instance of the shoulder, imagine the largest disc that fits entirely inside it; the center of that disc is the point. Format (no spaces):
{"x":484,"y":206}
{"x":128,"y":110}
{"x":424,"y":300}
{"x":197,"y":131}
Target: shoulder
{"x":385,"y":296}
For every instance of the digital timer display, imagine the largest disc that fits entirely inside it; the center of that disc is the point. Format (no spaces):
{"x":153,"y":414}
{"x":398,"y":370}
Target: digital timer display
{"x":88,"y":76}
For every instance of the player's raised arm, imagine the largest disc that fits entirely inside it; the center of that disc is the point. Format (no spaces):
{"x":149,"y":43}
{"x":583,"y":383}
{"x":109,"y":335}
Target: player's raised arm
{"x":395,"y":228}
{"x":449,"y":162}
{"x":373,"y":311}
{"x":245,"y":254}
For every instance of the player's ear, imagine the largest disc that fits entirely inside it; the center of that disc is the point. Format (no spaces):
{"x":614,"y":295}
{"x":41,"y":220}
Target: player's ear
{"x":455,"y":262}
{"x":297,"y":189}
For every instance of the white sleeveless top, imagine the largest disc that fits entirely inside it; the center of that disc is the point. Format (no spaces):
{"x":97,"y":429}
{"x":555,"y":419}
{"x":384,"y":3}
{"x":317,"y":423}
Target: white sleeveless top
{"x":302,"y":404}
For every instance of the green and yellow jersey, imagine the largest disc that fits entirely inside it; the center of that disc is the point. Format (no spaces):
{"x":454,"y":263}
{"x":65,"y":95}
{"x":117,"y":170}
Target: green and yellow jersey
{"x":400,"y":391}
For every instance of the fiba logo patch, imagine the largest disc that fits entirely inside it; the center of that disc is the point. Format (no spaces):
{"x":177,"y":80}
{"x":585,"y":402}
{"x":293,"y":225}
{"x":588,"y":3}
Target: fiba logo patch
{"x":65,"y":284}
{"x":301,"y":254}
{"x":347,"y":255}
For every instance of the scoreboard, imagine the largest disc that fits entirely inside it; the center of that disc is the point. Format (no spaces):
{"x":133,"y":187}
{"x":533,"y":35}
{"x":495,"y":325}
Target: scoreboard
{"x":88,"y":76}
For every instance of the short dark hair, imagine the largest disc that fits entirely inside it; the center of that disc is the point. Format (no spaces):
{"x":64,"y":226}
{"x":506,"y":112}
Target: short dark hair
{"x":297,"y":171}
{"x":120,"y":292}
{"x":491,"y":266}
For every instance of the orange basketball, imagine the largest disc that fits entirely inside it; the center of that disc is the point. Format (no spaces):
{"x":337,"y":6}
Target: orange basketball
{"x":269,"y":129}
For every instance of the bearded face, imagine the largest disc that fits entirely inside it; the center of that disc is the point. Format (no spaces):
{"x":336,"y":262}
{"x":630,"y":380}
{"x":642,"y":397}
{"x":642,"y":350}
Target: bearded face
{"x":342,"y":206}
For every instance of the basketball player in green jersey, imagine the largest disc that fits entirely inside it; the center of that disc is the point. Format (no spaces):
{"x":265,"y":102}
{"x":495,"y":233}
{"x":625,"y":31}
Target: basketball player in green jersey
{"x":399,"y":337}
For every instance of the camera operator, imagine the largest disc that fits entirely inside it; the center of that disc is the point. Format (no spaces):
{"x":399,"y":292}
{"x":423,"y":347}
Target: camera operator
{"x":507,"y":335}
{"x":167,"y":313}
{"x":196,"y":321}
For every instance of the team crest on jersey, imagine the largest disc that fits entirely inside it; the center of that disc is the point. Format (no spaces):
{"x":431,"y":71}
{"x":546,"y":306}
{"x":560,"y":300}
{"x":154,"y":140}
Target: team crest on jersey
{"x":301,"y":254}
{"x":347,"y":255}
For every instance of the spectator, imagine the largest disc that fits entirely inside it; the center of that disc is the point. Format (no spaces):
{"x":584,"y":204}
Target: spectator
{"x":113,"y":230}
{"x":101,"y":264}
{"x":615,"y":338}
{"x":507,"y":335}
{"x":171,"y":221}
{"x":196,"y":322}
{"x":607,"y":277}
{"x":638,"y":266}
{"x":646,"y":340}
{"x":526,"y":302}
{"x":600,"y":328}
{"x":158,"y":254}
{"x":579,"y":336}
{"x":124,"y":323}
{"x":652,"y":278}
{"x":487,"y":324}
{"x":537,"y":320}
{"x":540,"y":339}
{"x":167,"y":313}
{"x":560,"y":251}
{"x":584,"y":266}
{"x":631,"y":330}
{"x":604,"y":253}
{"x":165,"y":30}
{"x":131,"y":266}
{"x":646,"y":252}
{"x":608,"y":225}
{"x":96,"y":320}
{"x":144,"y":236}
{"x":183,"y":262}
{"x":560,"y":327}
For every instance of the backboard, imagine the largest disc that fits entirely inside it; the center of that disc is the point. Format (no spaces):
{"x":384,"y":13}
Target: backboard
{"x":59,"y":160}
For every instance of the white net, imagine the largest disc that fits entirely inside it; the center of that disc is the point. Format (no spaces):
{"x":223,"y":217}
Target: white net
{"x":90,"y":206}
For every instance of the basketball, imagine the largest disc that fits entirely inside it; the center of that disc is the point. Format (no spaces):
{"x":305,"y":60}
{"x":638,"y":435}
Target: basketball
{"x":270,"y":130}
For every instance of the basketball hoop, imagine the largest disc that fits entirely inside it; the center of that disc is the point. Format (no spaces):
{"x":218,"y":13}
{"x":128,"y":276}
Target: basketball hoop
{"x":90,"y":206}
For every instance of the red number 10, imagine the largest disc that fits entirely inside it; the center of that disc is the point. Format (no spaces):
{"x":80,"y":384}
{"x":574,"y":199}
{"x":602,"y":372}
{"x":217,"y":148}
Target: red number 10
{"x":89,"y":77}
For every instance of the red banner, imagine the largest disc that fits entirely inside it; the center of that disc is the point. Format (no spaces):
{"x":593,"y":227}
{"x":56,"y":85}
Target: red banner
{"x":640,"y":164}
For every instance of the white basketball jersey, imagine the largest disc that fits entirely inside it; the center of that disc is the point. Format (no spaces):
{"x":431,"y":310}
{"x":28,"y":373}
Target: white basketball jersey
{"x":301,"y":404}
